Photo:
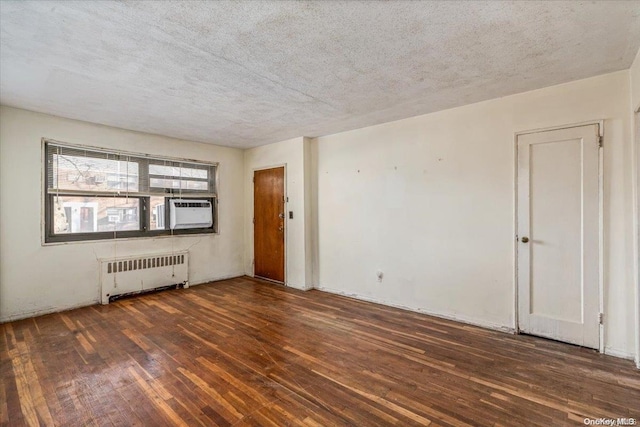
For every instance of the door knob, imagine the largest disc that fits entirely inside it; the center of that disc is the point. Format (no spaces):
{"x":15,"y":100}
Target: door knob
{"x":280,"y":228}
{"x":525,"y":239}
{"x":281,"y":216}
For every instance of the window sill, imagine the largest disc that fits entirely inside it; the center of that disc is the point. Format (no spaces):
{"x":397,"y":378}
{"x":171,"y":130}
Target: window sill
{"x":129,"y":239}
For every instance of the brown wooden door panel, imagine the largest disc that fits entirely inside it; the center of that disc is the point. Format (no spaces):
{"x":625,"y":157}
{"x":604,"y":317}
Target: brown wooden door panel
{"x":268,"y":228}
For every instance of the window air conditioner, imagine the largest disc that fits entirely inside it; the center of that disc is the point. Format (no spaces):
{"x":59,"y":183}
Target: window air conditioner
{"x":190,"y":213}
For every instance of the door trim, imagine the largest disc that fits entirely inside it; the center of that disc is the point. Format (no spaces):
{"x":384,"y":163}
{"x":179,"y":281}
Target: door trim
{"x":636,"y":222}
{"x":600,"y":124}
{"x":286,"y":223}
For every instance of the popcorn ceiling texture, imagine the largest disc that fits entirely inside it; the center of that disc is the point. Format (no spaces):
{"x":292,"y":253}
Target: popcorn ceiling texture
{"x":243,"y":74}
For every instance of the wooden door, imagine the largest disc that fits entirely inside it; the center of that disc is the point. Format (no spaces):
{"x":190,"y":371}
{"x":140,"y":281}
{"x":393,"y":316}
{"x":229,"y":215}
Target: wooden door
{"x":558,"y":235}
{"x":268,"y":228}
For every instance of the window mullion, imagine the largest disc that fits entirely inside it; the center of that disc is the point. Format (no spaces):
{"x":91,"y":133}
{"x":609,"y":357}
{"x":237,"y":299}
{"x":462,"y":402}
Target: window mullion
{"x":145,"y":218}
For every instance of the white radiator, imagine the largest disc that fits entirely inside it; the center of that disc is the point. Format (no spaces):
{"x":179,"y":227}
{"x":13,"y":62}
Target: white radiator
{"x":140,"y":273}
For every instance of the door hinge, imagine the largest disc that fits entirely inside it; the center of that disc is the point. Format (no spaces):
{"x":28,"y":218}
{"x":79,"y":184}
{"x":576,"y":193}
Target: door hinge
{"x":601,"y":318}
{"x":254,"y":220}
{"x":600,"y":141}
{"x":254,"y":179}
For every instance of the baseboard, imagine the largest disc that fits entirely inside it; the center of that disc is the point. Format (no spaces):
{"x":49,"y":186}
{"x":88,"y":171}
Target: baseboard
{"x":49,"y":310}
{"x":287,"y":284}
{"x":299,"y":287}
{"x":217,"y":279}
{"x":619,"y":353}
{"x":449,"y":316}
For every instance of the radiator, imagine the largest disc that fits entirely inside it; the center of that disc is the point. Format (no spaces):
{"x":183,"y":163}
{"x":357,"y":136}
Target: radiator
{"x":141,"y":273}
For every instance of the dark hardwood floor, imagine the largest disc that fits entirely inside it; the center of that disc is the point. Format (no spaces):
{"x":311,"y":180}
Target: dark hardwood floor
{"x":244,"y":352}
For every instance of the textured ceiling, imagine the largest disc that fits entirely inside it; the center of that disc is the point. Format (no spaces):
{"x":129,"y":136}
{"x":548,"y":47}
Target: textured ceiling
{"x":248,"y":73}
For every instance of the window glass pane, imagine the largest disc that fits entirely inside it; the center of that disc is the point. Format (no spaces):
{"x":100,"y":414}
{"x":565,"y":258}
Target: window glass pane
{"x":179,"y":184}
{"x":156,"y":205}
{"x":79,"y":214}
{"x":176,"y":171}
{"x":93,"y":174}
{"x":80,"y":182}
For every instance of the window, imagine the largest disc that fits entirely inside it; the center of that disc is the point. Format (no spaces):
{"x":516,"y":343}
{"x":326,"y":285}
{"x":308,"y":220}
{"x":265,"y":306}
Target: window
{"x":93,"y":194}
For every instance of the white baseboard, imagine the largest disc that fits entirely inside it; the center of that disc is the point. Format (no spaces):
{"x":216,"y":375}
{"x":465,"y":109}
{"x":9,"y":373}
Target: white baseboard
{"x":299,"y":287}
{"x":49,"y":310}
{"x":449,"y":316}
{"x":287,"y":284}
{"x":618,"y":353}
{"x":217,"y":279}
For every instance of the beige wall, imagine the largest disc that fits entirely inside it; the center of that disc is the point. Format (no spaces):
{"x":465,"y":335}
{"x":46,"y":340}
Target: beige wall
{"x":429,"y":201}
{"x":634,"y":80}
{"x":35,"y":278}
{"x":634,"y":75}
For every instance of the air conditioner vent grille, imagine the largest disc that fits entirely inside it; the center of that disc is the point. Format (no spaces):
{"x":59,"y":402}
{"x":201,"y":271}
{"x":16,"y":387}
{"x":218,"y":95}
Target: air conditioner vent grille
{"x":192,"y":204}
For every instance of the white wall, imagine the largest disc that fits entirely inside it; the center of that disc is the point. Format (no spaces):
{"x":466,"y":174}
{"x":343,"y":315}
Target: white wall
{"x":634,"y":75}
{"x":35,"y":278}
{"x":294,"y":154}
{"x":430,"y":201}
{"x":309,"y":214}
{"x":634,"y":79}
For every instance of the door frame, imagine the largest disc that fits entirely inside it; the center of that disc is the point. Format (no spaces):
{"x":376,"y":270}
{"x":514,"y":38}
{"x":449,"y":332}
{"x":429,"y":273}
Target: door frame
{"x":600,"y":124}
{"x":636,"y":221}
{"x":286,"y":220}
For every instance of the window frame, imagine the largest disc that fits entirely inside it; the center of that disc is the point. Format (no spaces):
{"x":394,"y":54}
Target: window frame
{"x":50,"y":237}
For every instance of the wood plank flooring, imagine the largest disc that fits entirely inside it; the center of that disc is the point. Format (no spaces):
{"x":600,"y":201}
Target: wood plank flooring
{"x":245,"y":352}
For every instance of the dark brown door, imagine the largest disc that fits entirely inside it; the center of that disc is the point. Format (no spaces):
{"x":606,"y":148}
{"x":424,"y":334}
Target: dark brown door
{"x":268,"y":228}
